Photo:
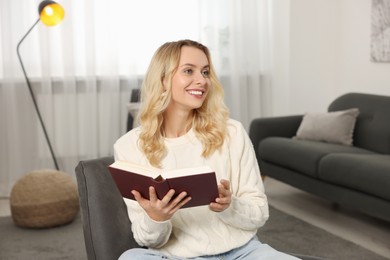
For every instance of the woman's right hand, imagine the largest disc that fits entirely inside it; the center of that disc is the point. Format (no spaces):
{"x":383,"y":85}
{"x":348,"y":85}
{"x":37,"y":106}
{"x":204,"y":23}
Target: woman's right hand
{"x":161,"y":210}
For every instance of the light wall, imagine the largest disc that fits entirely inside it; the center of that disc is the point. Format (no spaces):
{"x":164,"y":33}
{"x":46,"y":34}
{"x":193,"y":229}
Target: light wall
{"x":321,"y":51}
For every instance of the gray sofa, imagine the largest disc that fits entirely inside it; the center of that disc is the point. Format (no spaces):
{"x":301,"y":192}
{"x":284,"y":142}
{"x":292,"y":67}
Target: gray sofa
{"x":356,"y":176}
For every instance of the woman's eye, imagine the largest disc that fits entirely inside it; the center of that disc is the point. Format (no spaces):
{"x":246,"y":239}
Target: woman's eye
{"x":188,"y":71}
{"x":205,"y":73}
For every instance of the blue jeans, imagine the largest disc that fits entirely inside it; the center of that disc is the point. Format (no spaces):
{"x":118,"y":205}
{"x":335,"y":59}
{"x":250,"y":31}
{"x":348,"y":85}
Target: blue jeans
{"x":252,"y":250}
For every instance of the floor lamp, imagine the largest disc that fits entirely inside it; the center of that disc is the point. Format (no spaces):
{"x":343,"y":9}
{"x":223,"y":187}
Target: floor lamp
{"x":50,"y":13}
{"x":44,"y":198}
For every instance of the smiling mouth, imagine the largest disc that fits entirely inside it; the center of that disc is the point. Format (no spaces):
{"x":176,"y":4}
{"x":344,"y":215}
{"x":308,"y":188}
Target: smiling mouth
{"x":196,"y":92}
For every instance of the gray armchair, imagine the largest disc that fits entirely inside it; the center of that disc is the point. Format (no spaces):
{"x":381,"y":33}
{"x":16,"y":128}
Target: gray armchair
{"x":106,"y":226}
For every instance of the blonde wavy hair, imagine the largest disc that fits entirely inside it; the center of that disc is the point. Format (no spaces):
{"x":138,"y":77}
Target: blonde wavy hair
{"x":210,"y":120}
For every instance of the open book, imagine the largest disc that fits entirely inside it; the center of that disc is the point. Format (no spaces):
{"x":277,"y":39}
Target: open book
{"x":200,"y":183}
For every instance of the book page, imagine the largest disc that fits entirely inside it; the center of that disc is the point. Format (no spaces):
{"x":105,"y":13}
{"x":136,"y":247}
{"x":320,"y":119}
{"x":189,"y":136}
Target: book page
{"x":186,"y":172}
{"x":155,"y":172}
{"x":136,"y":168}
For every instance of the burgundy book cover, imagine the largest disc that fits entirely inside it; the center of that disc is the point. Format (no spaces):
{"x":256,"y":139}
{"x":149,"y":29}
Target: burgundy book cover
{"x":202,"y":187}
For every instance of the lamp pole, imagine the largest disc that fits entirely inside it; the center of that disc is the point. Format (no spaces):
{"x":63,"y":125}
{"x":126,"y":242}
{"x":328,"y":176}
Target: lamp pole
{"x":33,"y":96}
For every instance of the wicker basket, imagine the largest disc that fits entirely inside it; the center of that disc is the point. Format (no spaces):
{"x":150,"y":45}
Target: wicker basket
{"x":44,"y":198}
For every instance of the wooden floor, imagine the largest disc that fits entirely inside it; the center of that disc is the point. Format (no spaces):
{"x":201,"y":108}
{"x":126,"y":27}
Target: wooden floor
{"x":4,"y":207}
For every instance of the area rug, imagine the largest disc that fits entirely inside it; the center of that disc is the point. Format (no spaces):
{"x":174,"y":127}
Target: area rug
{"x":292,"y":235}
{"x":283,"y":232}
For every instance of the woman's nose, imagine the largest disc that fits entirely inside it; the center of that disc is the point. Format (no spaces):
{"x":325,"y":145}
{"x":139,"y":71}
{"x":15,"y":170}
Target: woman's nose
{"x":200,"y":79}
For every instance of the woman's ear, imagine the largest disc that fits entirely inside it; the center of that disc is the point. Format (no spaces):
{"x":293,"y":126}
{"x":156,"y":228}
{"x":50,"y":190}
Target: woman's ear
{"x":164,"y":83}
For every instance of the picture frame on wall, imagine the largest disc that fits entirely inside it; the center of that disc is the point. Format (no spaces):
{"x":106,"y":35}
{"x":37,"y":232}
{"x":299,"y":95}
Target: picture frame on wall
{"x":380,"y":31}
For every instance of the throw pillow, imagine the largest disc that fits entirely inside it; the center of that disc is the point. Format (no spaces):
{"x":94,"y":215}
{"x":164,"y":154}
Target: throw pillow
{"x":333,"y":127}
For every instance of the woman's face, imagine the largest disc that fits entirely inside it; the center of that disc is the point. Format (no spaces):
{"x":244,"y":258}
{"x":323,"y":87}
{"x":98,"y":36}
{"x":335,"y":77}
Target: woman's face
{"x":190,"y":83}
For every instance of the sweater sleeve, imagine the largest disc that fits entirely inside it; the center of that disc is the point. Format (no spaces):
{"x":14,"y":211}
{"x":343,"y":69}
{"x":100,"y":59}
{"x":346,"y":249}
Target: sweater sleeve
{"x":147,"y":232}
{"x":249,"y":207}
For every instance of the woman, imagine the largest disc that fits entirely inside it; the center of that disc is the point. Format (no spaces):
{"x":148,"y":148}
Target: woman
{"x":185,"y":123}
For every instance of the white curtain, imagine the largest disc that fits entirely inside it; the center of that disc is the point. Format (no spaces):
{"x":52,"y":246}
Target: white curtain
{"x":237,"y":32}
{"x":83,"y":70}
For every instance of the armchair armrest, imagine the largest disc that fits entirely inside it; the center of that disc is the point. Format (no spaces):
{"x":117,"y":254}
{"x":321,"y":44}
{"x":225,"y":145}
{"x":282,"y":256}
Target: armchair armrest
{"x":261,"y":128}
{"x":106,"y":225}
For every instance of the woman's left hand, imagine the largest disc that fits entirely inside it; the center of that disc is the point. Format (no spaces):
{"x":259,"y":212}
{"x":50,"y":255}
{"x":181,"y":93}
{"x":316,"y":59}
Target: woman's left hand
{"x":225,"y":197}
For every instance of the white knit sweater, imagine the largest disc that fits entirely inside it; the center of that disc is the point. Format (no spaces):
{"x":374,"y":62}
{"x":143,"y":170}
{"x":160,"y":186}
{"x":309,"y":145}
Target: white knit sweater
{"x":199,"y":231}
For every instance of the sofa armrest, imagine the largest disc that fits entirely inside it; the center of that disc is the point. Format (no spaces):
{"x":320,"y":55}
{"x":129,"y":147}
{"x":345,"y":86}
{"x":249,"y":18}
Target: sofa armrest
{"x":106,"y":225}
{"x":284,"y":126}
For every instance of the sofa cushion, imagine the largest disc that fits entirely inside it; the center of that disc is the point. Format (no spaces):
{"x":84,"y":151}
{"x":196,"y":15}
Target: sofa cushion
{"x":369,"y":173}
{"x":372,"y":129}
{"x":333,"y":127}
{"x":300,"y":155}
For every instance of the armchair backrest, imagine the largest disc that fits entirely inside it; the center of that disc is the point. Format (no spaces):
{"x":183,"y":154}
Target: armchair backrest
{"x":106,"y":226}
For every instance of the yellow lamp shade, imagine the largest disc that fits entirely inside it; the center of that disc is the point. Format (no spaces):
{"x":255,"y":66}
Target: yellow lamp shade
{"x":51,"y":13}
